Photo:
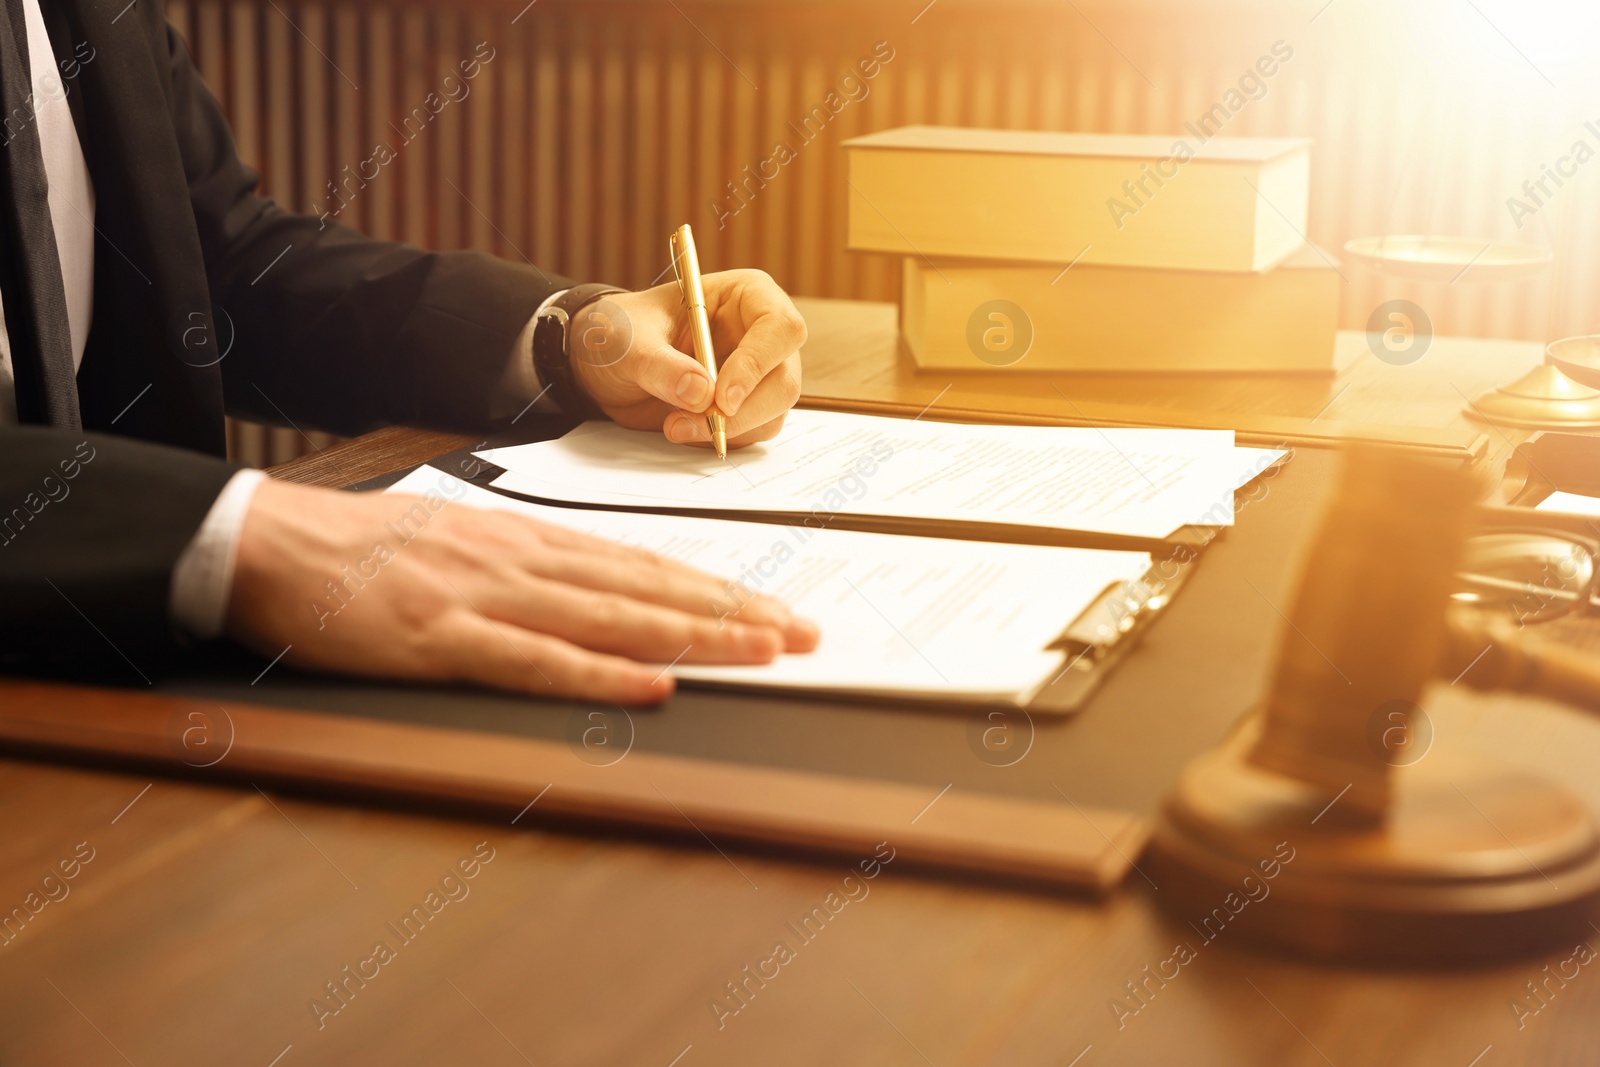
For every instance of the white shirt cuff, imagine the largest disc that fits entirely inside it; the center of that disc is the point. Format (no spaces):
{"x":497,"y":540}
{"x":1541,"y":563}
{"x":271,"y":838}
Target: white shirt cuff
{"x":203,"y":578}
{"x":520,"y":387}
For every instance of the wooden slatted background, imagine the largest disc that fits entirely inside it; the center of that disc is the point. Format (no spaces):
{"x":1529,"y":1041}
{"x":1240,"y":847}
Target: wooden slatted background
{"x":598,"y":125}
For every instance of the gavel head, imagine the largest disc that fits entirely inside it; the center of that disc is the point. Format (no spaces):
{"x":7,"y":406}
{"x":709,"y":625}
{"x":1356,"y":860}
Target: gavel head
{"x":1367,"y":628}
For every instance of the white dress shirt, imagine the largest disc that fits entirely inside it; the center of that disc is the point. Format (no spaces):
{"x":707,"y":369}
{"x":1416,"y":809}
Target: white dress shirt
{"x":71,"y":199}
{"x":203,"y":577}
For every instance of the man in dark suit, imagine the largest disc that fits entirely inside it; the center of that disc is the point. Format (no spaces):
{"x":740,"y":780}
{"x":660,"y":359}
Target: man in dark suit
{"x":128,"y":221}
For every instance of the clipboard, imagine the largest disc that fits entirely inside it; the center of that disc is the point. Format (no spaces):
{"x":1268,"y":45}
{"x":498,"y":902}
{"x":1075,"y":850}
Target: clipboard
{"x":1092,"y":644}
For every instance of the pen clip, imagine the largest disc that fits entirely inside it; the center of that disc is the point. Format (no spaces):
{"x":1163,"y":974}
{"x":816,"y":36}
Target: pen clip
{"x":677,"y":271}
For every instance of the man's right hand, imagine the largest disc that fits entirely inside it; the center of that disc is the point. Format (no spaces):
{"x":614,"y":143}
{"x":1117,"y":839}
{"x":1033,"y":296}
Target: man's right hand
{"x":354,"y":583}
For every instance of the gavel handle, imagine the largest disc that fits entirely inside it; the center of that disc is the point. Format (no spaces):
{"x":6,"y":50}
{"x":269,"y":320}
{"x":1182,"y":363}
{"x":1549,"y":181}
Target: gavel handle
{"x":1503,"y":659}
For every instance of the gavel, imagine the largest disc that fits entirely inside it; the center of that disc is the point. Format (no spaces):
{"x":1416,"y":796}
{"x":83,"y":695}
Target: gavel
{"x":1443,"y":858}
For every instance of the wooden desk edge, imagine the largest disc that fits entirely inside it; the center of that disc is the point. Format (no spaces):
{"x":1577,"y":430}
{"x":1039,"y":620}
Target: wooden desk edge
{"x":1082,"y":849}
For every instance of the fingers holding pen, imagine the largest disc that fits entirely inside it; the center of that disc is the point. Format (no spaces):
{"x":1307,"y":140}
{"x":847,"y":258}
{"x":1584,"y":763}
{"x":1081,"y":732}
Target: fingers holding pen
{"x":759,"y":419}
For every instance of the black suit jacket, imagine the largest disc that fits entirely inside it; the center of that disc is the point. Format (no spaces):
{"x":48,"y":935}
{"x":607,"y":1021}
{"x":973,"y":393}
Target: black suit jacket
{"x":340,"y":332}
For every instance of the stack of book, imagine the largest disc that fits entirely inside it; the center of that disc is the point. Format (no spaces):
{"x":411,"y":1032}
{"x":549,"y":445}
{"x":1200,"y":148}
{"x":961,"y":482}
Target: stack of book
{"x":1094,"y":252}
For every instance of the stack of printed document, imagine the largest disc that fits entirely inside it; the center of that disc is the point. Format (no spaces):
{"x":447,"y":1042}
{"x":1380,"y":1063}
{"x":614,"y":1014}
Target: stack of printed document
{"x":913,"y":475}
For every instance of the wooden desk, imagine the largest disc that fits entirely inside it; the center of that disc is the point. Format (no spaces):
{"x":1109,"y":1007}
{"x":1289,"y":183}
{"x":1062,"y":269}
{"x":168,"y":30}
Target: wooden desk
{"x":209,"y":918}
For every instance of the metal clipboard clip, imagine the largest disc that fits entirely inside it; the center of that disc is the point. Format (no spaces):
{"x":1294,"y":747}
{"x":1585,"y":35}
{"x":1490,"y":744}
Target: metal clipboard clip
{"x":1105,"y":631}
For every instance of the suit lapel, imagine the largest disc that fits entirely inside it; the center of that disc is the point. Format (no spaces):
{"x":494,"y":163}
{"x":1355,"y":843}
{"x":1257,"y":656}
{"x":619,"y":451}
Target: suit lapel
{"x":150,"y":278}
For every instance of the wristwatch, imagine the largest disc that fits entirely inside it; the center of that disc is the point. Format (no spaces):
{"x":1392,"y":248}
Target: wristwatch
{"x":552,"y":355}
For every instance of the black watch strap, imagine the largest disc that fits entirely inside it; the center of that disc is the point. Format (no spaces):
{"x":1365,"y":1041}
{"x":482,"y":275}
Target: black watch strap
{"x":552,"y":348}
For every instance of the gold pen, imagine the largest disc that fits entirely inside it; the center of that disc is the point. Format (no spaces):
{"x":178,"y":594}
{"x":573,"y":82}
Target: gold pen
{"x":686,"y":267}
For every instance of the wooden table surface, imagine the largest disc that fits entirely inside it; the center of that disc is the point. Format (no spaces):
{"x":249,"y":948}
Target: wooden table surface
{"x":201,"y":925}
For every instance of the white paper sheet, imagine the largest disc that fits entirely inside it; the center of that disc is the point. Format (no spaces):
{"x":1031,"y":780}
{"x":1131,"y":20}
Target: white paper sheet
{"x":1138,"y":482}
{"x":919,"y":617}
{"x":1571,"y":502}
